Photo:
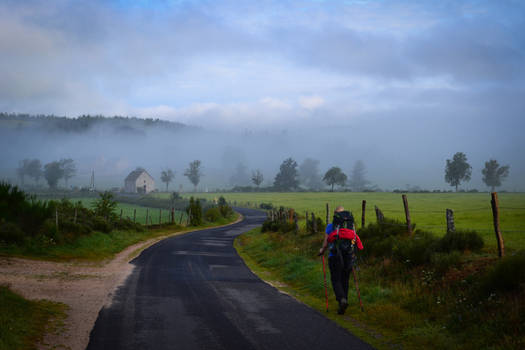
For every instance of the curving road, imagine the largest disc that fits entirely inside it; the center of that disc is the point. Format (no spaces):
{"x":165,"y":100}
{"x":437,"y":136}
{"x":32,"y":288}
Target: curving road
{"x":194,"y":292}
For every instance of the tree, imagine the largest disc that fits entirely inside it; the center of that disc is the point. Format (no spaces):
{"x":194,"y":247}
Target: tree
{"x":240,"y":177}
{"x":193,"y":173}
{"x":167,"y":176}
{"x":21,"y":171}
{"x":309,"y":174}
{"x":286,"y":179}
{"x":257,"y":177}
{"x":68,"y":169}
{"x":493,"y":174}
{"x":34,"y":169}
{"x":457,"y":170}
{"x":105,"y":205}
{"x":358,"y":181}
{"x":52,"y":173}
{"x":335,"y":176}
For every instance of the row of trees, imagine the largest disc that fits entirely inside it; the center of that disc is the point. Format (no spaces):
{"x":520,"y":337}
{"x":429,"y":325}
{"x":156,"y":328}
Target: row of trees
{"x":458,"y":170}
{"x":52,"y":171}
{"x":289,"y":177}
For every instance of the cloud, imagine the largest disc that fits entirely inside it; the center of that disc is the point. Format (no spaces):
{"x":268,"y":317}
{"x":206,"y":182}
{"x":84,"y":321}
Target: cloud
{"x":311,"y":102}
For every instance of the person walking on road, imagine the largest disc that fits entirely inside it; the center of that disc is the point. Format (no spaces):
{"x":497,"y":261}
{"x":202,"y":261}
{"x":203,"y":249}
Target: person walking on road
{"x":341,"y":238}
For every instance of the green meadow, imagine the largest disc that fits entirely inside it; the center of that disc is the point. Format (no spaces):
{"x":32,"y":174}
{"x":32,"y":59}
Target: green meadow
{"x":427,"y":210}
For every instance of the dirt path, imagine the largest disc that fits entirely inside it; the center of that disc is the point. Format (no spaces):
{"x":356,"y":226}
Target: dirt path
{"x":85,"y":287}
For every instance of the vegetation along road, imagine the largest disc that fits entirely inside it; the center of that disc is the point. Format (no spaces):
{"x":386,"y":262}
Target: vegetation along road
{"x":194,"y":291}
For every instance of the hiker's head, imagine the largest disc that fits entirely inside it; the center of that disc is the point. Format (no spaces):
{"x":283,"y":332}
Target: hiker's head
{"x":339,"y":209}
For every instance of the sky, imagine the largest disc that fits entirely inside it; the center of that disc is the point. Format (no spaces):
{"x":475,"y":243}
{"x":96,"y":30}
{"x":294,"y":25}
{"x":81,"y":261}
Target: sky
{"x":411,"y":81}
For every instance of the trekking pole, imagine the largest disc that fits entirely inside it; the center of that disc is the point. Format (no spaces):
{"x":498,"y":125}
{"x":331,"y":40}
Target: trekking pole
{"x":325,"y":290}
{"x":357,"y":288}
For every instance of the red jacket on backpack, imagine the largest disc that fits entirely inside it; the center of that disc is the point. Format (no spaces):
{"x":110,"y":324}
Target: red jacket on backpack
{"x":345,"y":233}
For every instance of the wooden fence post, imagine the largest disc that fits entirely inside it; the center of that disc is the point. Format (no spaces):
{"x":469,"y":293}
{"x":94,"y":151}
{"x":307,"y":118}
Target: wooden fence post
{"x":363,"y":213}
{"x":291,"y":216}
{"x":160,"y":217}
{"x":181,"y":215}
{"x":172,"y":215}
{"x":450,"y":221}
{"x":327,"y":213}
{"x":56,"y":218}
{"x":147,"y":216}
{"x":407,"y":214}
{"x":134,"y":215}
{"x":314,"y":224}
{"x":120,"y":219}
{"x":75,"y":218}
{"x":379,"y":214}
{"x":495,"y":213}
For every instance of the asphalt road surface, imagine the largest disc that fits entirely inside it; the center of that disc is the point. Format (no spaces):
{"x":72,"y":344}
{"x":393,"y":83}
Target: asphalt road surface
{"x":194,"y":292}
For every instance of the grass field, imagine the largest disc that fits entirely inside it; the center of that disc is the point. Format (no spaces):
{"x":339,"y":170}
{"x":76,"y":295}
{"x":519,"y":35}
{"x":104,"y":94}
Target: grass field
{"x":471,"y":210}
{"x":128,"y":210}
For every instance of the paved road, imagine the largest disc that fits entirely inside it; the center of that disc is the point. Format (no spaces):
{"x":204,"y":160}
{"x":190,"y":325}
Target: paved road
{"x":194,"y":292}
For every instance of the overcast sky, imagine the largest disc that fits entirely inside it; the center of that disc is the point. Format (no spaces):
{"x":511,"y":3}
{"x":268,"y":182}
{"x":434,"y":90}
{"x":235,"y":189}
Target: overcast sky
{"x":389,"y":70}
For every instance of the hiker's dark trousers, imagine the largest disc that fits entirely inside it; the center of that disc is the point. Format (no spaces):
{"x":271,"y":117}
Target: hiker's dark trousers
{"x":339,"y":276}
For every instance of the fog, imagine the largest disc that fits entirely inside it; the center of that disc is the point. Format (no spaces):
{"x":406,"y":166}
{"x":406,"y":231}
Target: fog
{"x":400,"y":85}
{"x":407,"y":151}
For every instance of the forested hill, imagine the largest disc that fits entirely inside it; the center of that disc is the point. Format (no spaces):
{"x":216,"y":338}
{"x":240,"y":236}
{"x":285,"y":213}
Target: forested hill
{"x":84,"y":123}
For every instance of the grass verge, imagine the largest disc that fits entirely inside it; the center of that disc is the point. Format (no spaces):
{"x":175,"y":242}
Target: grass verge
{"x":415,"y":308}
{"x":23,"y":323}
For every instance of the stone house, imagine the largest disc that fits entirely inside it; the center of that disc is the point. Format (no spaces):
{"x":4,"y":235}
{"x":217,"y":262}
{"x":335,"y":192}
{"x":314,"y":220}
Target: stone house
{"x":139,"y":181}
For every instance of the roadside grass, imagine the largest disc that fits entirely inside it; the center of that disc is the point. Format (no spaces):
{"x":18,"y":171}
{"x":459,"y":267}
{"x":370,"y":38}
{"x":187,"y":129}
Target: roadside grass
{"x":24,"y":322}
{"x":472,"y":211}
{"x":99,"y":246}
{"x":408,"y":307}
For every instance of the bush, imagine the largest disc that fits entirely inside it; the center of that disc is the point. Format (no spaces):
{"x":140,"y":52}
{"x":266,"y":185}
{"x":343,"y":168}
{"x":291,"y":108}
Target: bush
{"x":417,"y":250}
{"x":102,"y":225}
{"x":508,"y":274}
{"x":442,"y":262}
{"x":461,"y":240}
{"x":10,"y":233}
{"x":212,"y":214}
{"x":266,"y":206}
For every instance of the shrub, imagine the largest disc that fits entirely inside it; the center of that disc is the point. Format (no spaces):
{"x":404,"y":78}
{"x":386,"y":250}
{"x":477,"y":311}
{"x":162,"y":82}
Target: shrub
{"x":442,"y":262}
{"x":417,"y":250}
{"x":10,"y":233}
{"x":194,"y":210}
{"x":212,"y":214}
{"x":266,"y":206}
{"x":101,"y":224}
{"x":461,"y":240}
{"x":105,"y":205}
{"x":508,"y":274}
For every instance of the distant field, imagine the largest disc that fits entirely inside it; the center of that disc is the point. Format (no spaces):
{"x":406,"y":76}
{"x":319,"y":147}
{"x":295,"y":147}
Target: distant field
{"x":127,"y":211}
{"x":471,"y":210}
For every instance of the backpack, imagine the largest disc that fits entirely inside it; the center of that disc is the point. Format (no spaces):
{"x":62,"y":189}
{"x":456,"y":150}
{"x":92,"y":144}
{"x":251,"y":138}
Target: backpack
{"x":341,"y":247}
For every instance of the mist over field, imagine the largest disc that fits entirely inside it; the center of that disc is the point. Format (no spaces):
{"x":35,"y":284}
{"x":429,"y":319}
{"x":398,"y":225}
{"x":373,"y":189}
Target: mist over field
{"x":400,"y":85}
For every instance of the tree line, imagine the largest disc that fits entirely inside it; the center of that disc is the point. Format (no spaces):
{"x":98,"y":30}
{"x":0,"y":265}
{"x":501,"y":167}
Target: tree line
{"x":52,"y":172}
{"x":458,"y":170}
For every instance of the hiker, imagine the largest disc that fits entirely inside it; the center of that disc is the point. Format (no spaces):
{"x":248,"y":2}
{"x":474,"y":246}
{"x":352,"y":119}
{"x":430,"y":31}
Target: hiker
{"x":341,"y":238}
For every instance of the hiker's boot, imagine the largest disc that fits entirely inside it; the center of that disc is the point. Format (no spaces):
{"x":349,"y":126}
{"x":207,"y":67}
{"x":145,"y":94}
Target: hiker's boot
{"x":343,"y":304}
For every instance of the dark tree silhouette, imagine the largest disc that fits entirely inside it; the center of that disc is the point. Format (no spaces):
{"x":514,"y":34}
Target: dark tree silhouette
{"x":457,"y":170}
{"x":286,"y":179}
{"x":493,"y":174}
{"x":334,"y":176}
{"x":52,"y":173}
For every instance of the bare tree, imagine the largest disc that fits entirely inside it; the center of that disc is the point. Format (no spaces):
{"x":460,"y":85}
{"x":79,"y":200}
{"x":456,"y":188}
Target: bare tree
{"x":194,"y":173}
{"x":257,"y":177}
{"x":167,"y":176}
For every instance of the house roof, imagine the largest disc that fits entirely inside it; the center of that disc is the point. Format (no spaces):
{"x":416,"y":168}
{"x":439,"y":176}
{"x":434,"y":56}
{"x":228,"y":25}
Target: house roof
{"x":134,"y":175}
